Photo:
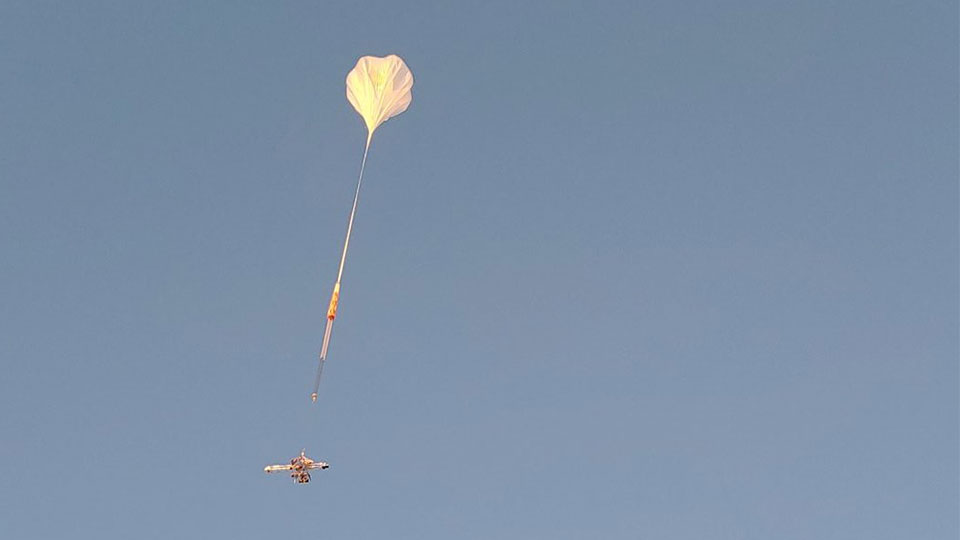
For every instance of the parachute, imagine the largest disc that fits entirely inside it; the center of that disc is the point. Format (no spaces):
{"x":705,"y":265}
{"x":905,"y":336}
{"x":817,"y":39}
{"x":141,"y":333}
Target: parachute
{"x":379,"y":89}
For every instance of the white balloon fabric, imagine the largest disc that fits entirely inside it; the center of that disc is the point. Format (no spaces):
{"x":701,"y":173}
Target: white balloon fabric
{"x":379,"y":88}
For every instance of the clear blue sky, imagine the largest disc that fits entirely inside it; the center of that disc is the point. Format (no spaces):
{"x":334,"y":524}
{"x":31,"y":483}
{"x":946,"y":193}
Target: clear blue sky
{"x":666,"y":270}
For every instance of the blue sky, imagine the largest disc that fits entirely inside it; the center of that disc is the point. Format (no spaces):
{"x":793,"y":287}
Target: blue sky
{"x":672,"y":270}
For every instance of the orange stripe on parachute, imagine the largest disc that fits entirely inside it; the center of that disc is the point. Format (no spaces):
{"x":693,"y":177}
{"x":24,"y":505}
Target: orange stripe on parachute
{"x":334,"y":299}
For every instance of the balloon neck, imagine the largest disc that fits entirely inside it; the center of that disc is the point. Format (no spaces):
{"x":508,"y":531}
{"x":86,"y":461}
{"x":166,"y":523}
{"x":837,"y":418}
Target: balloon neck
{"x":369,"y":136}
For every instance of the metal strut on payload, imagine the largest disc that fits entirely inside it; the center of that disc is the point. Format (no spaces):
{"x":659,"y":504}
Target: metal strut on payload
{"x":299,"y":468}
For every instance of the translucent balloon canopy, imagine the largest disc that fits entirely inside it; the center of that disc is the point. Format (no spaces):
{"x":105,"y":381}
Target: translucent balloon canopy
{"x":379,"y":88}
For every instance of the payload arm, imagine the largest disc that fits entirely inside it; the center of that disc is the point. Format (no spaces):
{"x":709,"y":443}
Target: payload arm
{"x":277,"y":468}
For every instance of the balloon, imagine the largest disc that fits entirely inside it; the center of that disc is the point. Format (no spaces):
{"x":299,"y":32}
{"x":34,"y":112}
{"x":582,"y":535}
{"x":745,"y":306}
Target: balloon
{"x":379,"y":88}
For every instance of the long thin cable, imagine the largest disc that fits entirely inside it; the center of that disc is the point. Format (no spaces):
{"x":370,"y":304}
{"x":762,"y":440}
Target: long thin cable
{"x":353,"y":211}
{"x":332,"y":310}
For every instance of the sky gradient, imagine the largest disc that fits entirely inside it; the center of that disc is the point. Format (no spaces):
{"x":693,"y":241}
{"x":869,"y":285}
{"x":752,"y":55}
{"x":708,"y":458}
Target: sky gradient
{"x":666,"y":270}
